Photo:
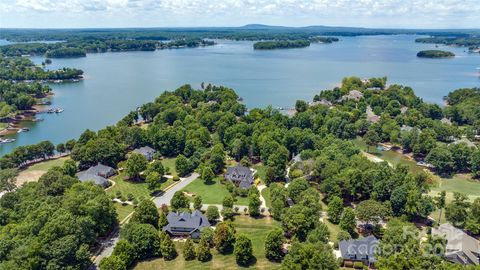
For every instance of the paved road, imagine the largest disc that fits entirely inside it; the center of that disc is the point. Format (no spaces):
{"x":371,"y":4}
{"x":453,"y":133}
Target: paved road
{"x":167,"y":195}
{"x":164,"y":198}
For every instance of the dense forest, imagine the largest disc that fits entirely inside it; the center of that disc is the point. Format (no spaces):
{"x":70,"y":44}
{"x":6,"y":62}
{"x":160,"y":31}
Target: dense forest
{"x":20,"y":69}
{"x":435,"y":54}
{"x":19,"y":96}
{"x":280,"y":44}
{"x":202,"y":127}
{"x":79,"y":47}
{"x":472,"y":42}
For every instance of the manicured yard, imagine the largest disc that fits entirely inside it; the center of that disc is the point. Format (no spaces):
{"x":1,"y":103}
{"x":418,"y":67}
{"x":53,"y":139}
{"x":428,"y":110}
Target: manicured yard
{"x":138,"y":189}
{"x":255,"y":229}
{"x":212,"y":193}
{"x":260,"y":171}
{"x":44,"y":166}
{"x":170,"y":163}
{"x":123,"y":210}
{"x":458,"y":183}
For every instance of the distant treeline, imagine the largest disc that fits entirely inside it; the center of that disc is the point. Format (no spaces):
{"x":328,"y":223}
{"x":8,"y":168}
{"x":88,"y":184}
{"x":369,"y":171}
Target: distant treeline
{"x":281,"y":44}
{"x":472,"y":42}
{"x":79,"y":47}
{"x":323,"y":39}
{"x":20,"y":69}
{"x":435,"y":54}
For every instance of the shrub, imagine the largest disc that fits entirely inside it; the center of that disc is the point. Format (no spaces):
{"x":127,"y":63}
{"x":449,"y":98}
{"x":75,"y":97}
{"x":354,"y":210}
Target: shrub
{"x":176,"y":178}
{"x":130,"y":197}
{"x":348,"y":264}
{"x":358,"y":265}
{"x":118,"y":194}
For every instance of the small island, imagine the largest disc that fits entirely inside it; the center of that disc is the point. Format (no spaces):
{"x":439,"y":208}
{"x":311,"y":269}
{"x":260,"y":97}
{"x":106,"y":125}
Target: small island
{"x":281,"y":44}
{"x":435,"y":54}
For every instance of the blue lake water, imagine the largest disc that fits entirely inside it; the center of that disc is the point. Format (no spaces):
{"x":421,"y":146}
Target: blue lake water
{"x":117,"y":83}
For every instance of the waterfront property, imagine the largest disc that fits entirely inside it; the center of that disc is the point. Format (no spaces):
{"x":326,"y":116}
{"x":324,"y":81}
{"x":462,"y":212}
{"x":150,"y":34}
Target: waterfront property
{"x":97,"y":174}
{"x":186,"y":224}
{"x":146,"y":151}
{"x":352,"y":95}
{"x":461,"y":247}
{"x":362,"y":250}
{"x":240,"y":176}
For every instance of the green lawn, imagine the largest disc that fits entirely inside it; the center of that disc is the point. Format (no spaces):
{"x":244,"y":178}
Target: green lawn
{"x":458,"y":183}
{"x":45,"y":165}
{"x":123,"y":210}
{"x":3,"y":126}
{"x":260,"y":171}
{"x":266,"y":196}
{"x":170,"y":163}
{"x":255,"y":229}
{"x":212,"y":193}
{"x":138,"y":189}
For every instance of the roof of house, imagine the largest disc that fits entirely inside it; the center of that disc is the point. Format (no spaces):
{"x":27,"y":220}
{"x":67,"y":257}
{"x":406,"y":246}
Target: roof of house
{"x":353,"y":94}
{"x":240,"y":174}
{"x":371,"y":116}
{"x":145,"y":150}
{"x":359,"y":249}
{"x":88,"y":177}
{"x":465,"y":141}
{"x":465,"y":248}
{"x":192,"y":222}
{"x":320,"y":102}
{"x":100,"y":169}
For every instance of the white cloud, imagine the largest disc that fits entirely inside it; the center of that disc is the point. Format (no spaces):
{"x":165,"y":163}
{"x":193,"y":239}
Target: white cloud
{"x":235,"y":12}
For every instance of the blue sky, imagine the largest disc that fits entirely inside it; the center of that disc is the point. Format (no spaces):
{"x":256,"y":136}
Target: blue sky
{"x":172,"y":13}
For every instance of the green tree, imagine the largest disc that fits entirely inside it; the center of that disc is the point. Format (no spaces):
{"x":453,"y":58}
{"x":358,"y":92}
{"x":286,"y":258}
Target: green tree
{"x":296,"y":187}
{"x":371,"y":138}
{"x":243,"y":249}
{"x":8,"y":179}
{"x":335,"y":209}
{"x":212,"y":213}
{"x":144,"y":239}
{"x":203,"y":250}
{"x":168,"y":249}
{"x":228,"y":201}
{"x":162,"y":220}
{"x":207,"y":174}
{"x":440,"y":202}
{"x":224,"y":237}
{"x":146,"y":212}
{"x":456,"y":211}
{"x":371,"y":211}
{"x":179,"y":201}
{"x":254,"y":205}
{"x":112,"y":263}
{"x":442,"y":159}
{"x":136,"y":163}
{"x":156,"y":166}
{"x":310,"y":256}
{"x":301,"y":106}
{"x":182,"y":165}
{"x":153,"y":180}
{"x":60,"y":148}
{"x":125,"y":251}
{"x":319,"y":234}
{"x":69,"y":167}
{"x":189,"y":250}
{"x":274,"y":245}
{"x":475,"y":161}
{"x":197,"y":202}
{"x":347,"y":221}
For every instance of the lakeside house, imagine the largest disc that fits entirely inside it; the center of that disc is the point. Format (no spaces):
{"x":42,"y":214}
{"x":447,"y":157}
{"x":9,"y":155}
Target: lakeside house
{"x":240,"y":176}
{"x":146,"y":151}
{"x":97,"y":174}
{"x":352,"y":95}
{"x":359,"y":250}
{"x":461,"y":247}
{"x":371,"y":116}
{"x":186,"y":224}
{"x":323,"y":102}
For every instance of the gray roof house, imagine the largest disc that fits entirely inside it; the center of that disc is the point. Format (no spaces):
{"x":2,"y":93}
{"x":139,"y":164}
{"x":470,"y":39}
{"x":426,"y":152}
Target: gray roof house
{"x":186,"y":224}
{"x":146,"y":151}
{"x":97,"y":174}
{"x":461,"y":247}
{"x":371,"y":116}
{"x":240,"y":176}
{"x":359,"y":249}
{"x":353,"y":95}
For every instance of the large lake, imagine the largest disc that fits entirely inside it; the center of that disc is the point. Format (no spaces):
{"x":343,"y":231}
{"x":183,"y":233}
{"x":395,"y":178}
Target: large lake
{"x":117,"y":83}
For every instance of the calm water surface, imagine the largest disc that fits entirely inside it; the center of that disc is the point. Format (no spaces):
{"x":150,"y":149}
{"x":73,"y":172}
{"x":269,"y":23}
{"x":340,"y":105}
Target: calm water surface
{"x":117,"y":83}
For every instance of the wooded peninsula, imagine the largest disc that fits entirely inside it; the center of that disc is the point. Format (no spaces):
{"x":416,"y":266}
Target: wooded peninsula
{"x":435,"y":54}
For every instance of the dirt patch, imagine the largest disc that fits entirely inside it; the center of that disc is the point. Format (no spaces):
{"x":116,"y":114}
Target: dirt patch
{"x":29,"y":176}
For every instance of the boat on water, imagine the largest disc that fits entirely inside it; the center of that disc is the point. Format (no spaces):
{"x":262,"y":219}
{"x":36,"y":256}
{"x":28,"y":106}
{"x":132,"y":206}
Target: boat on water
{"x":55,"y":110}
{"x":37,"y":119}
{"x":424,"y":164}
{"x":2,"y":141}
{"x":23,"y":130}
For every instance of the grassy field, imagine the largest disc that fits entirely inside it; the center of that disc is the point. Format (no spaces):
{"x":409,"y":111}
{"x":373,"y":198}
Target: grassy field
{"x":35,"y":171}
{"x":255,"y":229}
{"x":458,"y":183}
{"x":260,"y":171}
{"x":44,"y":166}
{"x":170,"y":163}
{"x":138,"y":189}
{"x":123,"y":210}
{"x":212,"y":193}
